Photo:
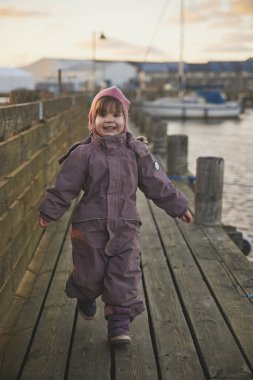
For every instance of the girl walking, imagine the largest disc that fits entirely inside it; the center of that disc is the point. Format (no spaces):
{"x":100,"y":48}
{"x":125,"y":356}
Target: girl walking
{"x":108,"y":167}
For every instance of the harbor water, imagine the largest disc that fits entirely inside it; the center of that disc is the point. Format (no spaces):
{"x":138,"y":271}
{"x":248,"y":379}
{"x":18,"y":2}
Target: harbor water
{"x":233,"y":141}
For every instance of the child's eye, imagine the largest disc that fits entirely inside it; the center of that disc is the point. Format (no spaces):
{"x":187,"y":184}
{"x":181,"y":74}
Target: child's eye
{"x":101,"y":114}
{"x":118,"y":114}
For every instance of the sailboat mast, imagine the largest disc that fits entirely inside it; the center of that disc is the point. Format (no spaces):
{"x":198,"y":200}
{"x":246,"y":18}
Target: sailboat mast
{"x":181,"y":73}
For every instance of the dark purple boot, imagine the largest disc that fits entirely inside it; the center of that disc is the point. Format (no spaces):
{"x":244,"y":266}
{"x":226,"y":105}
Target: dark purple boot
{"x":87,"y":308}
{"x":118,"y":329}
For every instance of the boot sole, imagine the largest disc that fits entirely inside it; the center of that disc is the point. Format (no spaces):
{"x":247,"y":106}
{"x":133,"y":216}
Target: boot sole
{"x":120,"y":339}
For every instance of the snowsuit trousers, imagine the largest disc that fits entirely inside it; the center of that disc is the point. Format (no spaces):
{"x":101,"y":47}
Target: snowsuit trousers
{"x":106,"y":259}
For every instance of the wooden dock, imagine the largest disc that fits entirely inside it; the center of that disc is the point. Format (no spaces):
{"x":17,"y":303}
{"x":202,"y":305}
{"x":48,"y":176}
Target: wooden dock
{"x":198,"y":322}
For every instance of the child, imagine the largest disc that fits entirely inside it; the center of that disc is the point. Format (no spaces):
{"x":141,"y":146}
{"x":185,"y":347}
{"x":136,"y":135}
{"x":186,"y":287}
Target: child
{"x":108,"y":166}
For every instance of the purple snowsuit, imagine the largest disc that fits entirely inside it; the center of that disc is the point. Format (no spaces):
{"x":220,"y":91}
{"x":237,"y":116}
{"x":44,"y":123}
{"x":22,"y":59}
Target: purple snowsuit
{"x":105,"y":223}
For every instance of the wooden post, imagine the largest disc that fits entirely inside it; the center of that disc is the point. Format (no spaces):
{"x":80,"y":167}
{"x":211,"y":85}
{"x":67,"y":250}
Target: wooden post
{"x":134,"y":112}
{"x":139,"y":118}
{"x":177,"y":151}
{"x":59,"y":81}
{"x":208,"y":190}
{"x":142,"y":122}
{"x":159,"y":137}
{"x":148,"y":127}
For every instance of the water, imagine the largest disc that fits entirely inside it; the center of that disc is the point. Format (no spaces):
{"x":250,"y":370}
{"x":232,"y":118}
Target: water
{"x":233,"y":141}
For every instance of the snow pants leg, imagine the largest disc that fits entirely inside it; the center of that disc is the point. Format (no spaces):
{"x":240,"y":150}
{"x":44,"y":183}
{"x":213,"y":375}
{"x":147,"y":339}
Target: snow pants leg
{"x":106,"y":264}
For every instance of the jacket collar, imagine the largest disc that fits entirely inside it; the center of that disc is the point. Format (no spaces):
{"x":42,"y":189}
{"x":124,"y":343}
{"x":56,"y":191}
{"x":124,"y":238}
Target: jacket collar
{"x":107,"y":141}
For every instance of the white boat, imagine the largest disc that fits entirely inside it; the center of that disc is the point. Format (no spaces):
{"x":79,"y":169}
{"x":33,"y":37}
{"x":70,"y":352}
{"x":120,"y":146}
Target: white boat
{"x":206,"y":104}
{"x":191,"y":107}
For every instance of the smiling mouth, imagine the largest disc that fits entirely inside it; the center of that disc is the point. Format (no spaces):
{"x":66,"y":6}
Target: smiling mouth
{"x":109,"y":128}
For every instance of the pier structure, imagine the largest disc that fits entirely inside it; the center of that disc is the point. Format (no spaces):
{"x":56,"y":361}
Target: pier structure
{"x":197,"y":285}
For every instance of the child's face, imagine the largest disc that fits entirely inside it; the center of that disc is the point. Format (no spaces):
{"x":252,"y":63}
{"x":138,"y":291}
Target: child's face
{"x":110,"y":121}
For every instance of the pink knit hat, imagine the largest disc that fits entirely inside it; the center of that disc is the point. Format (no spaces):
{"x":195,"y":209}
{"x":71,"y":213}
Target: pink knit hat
{"x":113,"y":92}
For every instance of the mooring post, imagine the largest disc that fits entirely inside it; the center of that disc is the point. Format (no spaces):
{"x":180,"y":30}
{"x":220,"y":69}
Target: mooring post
{"x":136,"y":115}
{"x":133,"y":113}
{"x":159,"y":137}
{"x":148,"y":127}
{"x":141,"y":124}
{"x":177,"y":152}
{"x":208,"y":190}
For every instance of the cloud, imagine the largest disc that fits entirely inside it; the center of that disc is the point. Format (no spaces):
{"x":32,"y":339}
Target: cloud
{"x":240,"y":38}
{"x":198,"y":11}
{"x":229,"y":48}
{"x":115,"y":47}
{"x":217,"y":13}
{"x":235,"y":43}
{"x":226,"y":21}
{"x":10,"y":12}
{"x":242,"y":7}
{"x":202,"y":12}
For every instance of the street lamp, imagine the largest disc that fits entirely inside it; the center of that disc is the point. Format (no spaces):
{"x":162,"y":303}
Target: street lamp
{"x":94,"y":43}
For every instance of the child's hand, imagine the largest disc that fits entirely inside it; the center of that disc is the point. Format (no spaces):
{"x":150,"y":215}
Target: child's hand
{"x":187,"y":217}
{"x":43,"y":223}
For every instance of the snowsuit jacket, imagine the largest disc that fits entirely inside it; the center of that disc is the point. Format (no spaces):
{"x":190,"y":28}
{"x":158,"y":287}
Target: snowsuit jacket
{"x":109,"y":170}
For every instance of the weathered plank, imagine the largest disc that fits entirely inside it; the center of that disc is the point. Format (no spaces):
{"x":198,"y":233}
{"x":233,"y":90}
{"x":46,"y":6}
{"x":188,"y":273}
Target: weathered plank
{"x":231,"y":299}
{"x":175,"y":348}
{"x":233,"y":378}
{"x":90,"y":356}
{"x":187,"y":190}
{"x":218,"y":348}
{"x":137,"y":361}
{"x":233,"y":258}
{"x":226,"y":249}
{"x":48,"y":354}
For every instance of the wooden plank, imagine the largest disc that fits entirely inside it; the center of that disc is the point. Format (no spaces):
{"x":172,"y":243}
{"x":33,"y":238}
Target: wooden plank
{"x":18,"y":326}
{"x":136,"y":361}
{"x":237,"y":309}
{"x":233,"y":378}
{"x":225,"y":248}
{"x":233,"y":258}
{"x":187,"y":190}
{"x":218,"y":348}
{"x":176,"y":351}
{"x":48,"y":354}
{"x":90,"y":356}
{"x":17,"y":342}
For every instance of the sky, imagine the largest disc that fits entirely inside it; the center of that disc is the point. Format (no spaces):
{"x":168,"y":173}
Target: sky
{"x":137,"y":30}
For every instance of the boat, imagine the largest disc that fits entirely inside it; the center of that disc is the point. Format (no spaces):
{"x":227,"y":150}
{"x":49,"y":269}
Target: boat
{"x":202,"y":105}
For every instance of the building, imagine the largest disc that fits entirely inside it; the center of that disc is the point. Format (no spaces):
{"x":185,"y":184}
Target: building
{"x":119,"y":73}
{"x":232,"y":77}
{"x":14,"y":79}
{"x":147,"y":79}
{"x":80,"y":75}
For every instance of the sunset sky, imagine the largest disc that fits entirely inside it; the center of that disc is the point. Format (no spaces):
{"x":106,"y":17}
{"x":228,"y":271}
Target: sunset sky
{"x":134,"y":29}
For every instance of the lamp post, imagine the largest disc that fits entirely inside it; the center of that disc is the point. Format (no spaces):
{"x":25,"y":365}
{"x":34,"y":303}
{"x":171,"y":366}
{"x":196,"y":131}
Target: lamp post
{"x":93,"y":47}
{"x":181,"y":71}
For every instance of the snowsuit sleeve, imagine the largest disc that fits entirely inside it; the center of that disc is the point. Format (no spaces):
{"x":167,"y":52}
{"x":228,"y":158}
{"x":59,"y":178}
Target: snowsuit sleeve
{"x":155,"y":184}
{"x":68,"y":185}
